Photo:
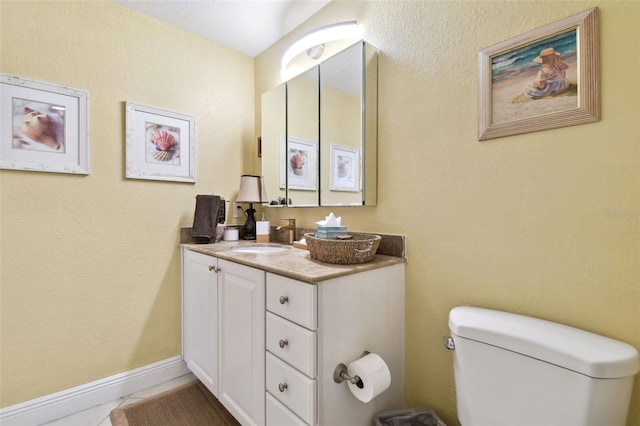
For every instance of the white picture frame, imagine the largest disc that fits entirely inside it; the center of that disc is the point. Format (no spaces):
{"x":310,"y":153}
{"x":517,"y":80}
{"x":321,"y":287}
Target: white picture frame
{"x":299,"y":164}
{"x":345,"y":168}
{"x":44,"y":127}
{"x":160,"y":144}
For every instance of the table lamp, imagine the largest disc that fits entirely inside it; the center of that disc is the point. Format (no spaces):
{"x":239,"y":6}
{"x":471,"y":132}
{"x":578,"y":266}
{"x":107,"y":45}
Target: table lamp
{"x":251,"y":191}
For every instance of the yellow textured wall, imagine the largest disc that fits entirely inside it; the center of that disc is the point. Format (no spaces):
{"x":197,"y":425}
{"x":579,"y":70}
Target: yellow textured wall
{"x":544,"y":224}
{"x":90,"y":264}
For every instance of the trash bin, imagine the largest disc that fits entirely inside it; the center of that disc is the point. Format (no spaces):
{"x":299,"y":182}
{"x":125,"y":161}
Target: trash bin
{"x":408,"y":417}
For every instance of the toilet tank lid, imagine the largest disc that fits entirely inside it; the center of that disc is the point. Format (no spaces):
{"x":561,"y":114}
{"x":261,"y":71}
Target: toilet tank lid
{"x":578,"y":350}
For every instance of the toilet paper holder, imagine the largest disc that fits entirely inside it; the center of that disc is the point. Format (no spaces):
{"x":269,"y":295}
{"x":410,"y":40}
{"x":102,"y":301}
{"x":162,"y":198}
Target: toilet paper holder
{"x":340,"y":374}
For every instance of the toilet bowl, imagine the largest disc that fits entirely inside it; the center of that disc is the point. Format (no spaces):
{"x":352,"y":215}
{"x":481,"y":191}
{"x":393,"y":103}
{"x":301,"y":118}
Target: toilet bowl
{"x":515,"y":370}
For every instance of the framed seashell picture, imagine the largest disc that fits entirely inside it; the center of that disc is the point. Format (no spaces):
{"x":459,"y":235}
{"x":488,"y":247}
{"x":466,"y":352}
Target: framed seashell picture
{"x":160,"y":144}
{"x":345,"y":165}
{"x":44,"y":126}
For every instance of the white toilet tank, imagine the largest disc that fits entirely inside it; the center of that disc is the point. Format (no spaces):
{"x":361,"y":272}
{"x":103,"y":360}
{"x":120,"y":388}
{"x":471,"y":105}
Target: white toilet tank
{"x":516,"y":370}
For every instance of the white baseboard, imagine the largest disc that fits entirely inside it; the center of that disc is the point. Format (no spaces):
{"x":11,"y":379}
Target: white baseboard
{"x":61,"y":404}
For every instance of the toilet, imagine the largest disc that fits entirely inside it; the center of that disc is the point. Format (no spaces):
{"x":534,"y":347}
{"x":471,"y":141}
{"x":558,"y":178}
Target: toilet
{"x":516,"y":370}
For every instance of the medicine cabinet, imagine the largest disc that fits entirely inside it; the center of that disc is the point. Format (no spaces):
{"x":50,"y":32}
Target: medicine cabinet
{"x":319,"y":133}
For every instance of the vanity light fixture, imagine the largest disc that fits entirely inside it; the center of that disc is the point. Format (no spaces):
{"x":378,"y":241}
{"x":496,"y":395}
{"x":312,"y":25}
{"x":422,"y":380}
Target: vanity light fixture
{"x":318,"y":37}
{"x":315,"y":52}
{"x":252,"y":190}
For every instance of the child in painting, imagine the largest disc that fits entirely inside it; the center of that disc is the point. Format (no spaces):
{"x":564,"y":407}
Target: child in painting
{"x":551,"y":78}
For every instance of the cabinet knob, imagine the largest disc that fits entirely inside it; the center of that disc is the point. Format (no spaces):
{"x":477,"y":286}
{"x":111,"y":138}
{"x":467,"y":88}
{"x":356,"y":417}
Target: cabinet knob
{"x":284,"y":299}
{"x":283,"y":343}
{"x":214,"y":268}
{"x":282,"y":387}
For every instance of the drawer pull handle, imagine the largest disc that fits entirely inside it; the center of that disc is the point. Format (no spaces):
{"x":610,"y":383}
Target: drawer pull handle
{"x":284,"y":299}
{"x":282,"y":387}
{"x":283,"y":343}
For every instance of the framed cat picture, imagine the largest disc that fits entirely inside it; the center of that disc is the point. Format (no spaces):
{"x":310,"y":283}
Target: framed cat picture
{"x":43,"y":126}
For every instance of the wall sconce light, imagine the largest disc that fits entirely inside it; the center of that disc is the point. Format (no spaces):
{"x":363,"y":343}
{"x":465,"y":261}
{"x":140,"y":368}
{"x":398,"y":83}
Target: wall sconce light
{"x":251,"y":191}
{"x":312,"y":41}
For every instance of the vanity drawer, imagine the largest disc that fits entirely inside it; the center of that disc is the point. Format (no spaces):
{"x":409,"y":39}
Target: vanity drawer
{"x":292,"y":343}
{"x":292,"y":299}
{"x":278,"y":414}
{"x":292,"y":388}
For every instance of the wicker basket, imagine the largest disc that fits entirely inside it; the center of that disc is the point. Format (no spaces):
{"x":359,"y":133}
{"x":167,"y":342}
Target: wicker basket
{"x":360,"y":249}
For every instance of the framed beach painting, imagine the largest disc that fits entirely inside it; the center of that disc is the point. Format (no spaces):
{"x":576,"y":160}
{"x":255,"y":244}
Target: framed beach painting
{"x":543,"y":79}
{"x":44,"y":127}
{"x":160,"y":145}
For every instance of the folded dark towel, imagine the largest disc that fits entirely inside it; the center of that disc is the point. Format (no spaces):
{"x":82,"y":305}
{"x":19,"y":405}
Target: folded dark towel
{"x":206,"y":217}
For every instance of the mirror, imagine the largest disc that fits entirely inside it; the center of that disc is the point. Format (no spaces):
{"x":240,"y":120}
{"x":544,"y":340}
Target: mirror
{"x":347,"y":146}
{"x":303,"y":137}
{"x":274,"y":107}
{"x":319,"y":133}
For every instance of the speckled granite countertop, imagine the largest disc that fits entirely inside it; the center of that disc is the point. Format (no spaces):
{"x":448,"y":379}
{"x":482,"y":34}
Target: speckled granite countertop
{"x":294,"y":263}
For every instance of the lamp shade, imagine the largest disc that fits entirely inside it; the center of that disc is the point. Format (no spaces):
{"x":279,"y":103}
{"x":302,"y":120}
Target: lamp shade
{"x":252,"y":190}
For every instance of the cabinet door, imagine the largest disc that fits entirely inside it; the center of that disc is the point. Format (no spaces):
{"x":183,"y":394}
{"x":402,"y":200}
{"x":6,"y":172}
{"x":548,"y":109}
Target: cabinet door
{"x":241,"y":341}
{"x":199,"y":317}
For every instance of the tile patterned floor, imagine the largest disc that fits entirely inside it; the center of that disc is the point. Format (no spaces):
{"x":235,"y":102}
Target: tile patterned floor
{"x":99,"y":415}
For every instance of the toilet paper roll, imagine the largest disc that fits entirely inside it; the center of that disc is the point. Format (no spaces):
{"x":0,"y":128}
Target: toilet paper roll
{"x":374,"y":377}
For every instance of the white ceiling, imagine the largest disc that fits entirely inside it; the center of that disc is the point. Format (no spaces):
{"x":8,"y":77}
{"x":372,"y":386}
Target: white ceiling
{"x":248,"y":26}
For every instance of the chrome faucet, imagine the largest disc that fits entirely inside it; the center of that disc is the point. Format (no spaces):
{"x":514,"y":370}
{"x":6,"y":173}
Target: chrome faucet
{"x":292,"y":229}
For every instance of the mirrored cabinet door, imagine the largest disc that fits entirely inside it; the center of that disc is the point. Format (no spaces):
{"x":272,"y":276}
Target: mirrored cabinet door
{"x":370,"y":126}
{"x":319,"y":133}
{"x":301,"y":176}
{"x":341,"y":128}
{"x":274,"y":122}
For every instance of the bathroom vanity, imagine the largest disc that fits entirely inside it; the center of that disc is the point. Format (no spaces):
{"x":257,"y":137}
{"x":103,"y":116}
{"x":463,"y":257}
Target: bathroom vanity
{"x":265,"y":331}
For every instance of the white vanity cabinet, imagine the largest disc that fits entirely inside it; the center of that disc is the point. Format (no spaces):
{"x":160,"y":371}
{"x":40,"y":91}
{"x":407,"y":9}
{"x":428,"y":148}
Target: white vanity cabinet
{"x":291,"y":357}
{"x":223,"y":332}
{"x":200,"y":317}
{"x":311,"y":328}
{"x":241,"y":341}
{"x":267,"y":345}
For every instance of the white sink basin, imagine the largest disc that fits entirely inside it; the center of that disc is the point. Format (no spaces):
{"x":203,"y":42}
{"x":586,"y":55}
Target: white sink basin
{"x":261,"y":249}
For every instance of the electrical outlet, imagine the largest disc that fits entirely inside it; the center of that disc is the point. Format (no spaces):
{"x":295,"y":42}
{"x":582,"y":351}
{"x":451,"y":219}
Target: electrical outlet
{"x":237,"y":210}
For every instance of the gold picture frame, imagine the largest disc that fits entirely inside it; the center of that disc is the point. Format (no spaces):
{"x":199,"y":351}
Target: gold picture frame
{"x":543,"y":79}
